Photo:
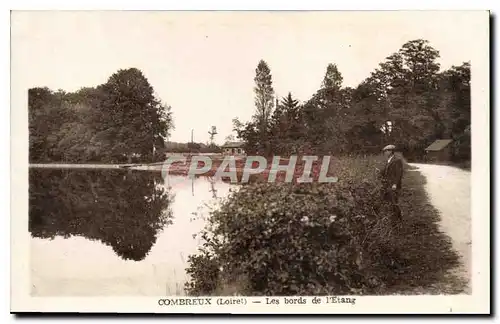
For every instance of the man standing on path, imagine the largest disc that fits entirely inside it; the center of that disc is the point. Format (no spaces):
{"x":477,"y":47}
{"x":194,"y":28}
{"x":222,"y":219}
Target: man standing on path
{"x":391,"y":179}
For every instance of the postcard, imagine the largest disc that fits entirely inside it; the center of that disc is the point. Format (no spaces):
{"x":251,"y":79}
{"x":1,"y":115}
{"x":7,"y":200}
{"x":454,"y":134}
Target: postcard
{"x":244,"y":162}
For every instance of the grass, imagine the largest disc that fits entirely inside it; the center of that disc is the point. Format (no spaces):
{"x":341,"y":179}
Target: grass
{"x":426,"y":254}
{"x":464,"y":165}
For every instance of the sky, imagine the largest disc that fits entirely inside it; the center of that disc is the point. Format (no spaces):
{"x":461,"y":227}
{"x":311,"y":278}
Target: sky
{"x":203,"y":64}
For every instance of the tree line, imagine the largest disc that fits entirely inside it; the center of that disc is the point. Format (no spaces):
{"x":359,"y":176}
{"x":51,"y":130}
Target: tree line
{"x":192,"y":147}
{"x":118,"y":121}
{"x":406,"y":100}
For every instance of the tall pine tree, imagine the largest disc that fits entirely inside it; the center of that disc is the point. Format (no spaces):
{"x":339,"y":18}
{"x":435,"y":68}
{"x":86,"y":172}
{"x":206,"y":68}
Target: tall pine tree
{"x":264,"y":102}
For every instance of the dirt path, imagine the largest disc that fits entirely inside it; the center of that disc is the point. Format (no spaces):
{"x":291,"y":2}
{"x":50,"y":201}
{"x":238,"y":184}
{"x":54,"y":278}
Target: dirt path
{"x":449,"y":191}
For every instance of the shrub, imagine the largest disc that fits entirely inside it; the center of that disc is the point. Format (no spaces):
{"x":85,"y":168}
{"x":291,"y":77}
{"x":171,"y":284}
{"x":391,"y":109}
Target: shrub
{"x":308,"y":239}
{"x":295,"y":239}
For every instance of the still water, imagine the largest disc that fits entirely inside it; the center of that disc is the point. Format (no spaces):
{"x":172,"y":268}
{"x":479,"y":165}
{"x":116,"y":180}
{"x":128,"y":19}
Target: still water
{"x":115,"y":232}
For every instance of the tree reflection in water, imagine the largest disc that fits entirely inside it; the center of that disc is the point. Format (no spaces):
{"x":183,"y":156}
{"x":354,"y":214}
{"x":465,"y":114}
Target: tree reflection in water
{"x":123,"y":209}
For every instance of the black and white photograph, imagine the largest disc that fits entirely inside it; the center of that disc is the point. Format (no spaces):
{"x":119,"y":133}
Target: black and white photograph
{"x":250,"y":161}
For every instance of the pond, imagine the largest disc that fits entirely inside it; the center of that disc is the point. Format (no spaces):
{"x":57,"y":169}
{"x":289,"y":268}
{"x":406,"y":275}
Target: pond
{"x":115,"y":232}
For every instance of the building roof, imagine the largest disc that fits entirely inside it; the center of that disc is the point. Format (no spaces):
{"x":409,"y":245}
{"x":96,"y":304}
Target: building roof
{"x":233,"y":144}
{"x":438,"y":145}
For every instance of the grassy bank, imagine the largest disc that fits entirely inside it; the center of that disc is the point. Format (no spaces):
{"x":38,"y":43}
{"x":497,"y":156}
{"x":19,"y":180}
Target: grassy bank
{"x":425,"y":253}
{"x":323,"y":238}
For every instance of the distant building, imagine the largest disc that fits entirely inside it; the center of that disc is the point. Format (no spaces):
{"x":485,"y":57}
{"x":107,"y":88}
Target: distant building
{"x":439,"y":151}
{"x":233,"y":148}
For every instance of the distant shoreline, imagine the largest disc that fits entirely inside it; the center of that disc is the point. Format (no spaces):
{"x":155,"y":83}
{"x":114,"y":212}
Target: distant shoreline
{"x":75,"y":166}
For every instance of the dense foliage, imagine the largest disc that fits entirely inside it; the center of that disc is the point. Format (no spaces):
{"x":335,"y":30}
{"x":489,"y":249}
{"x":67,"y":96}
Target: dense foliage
{"x":113,"y":122}
{"x":310,"y":239}
{"x":406,"y":100}
{"x":176,"y":147}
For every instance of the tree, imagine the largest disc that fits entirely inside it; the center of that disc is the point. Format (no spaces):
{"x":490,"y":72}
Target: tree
{"x":287,"y":126}
{"x":455,"y":95}
{"x":47,"y":113}
{"x":366,"y":116}
{"x":405,"y":85}
{"x":333,"y":78}
{"x":249,"y":133}
{"x":455,"y":102}
{"x":421,"y":75}
{"x":212,"y":134}
{"x":38,"y":122}
{"x":405,"y":101}
{"x":109,"y":123}
{"x":264,"y":102}
{"x":325,"y":113}
{"x":132,"y":119}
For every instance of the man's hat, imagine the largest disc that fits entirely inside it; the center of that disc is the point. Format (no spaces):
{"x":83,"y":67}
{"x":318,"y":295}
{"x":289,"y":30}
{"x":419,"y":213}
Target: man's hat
{"x":389,"y":148}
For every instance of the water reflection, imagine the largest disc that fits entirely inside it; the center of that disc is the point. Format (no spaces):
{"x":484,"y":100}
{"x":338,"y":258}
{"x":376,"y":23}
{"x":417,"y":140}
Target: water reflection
{"x":115,"y":232}
{"x":123,"y":209}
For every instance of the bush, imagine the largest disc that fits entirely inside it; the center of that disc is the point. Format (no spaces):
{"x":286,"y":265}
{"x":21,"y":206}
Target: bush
{"x":288,"y":239}
{"x":312,"y":239}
